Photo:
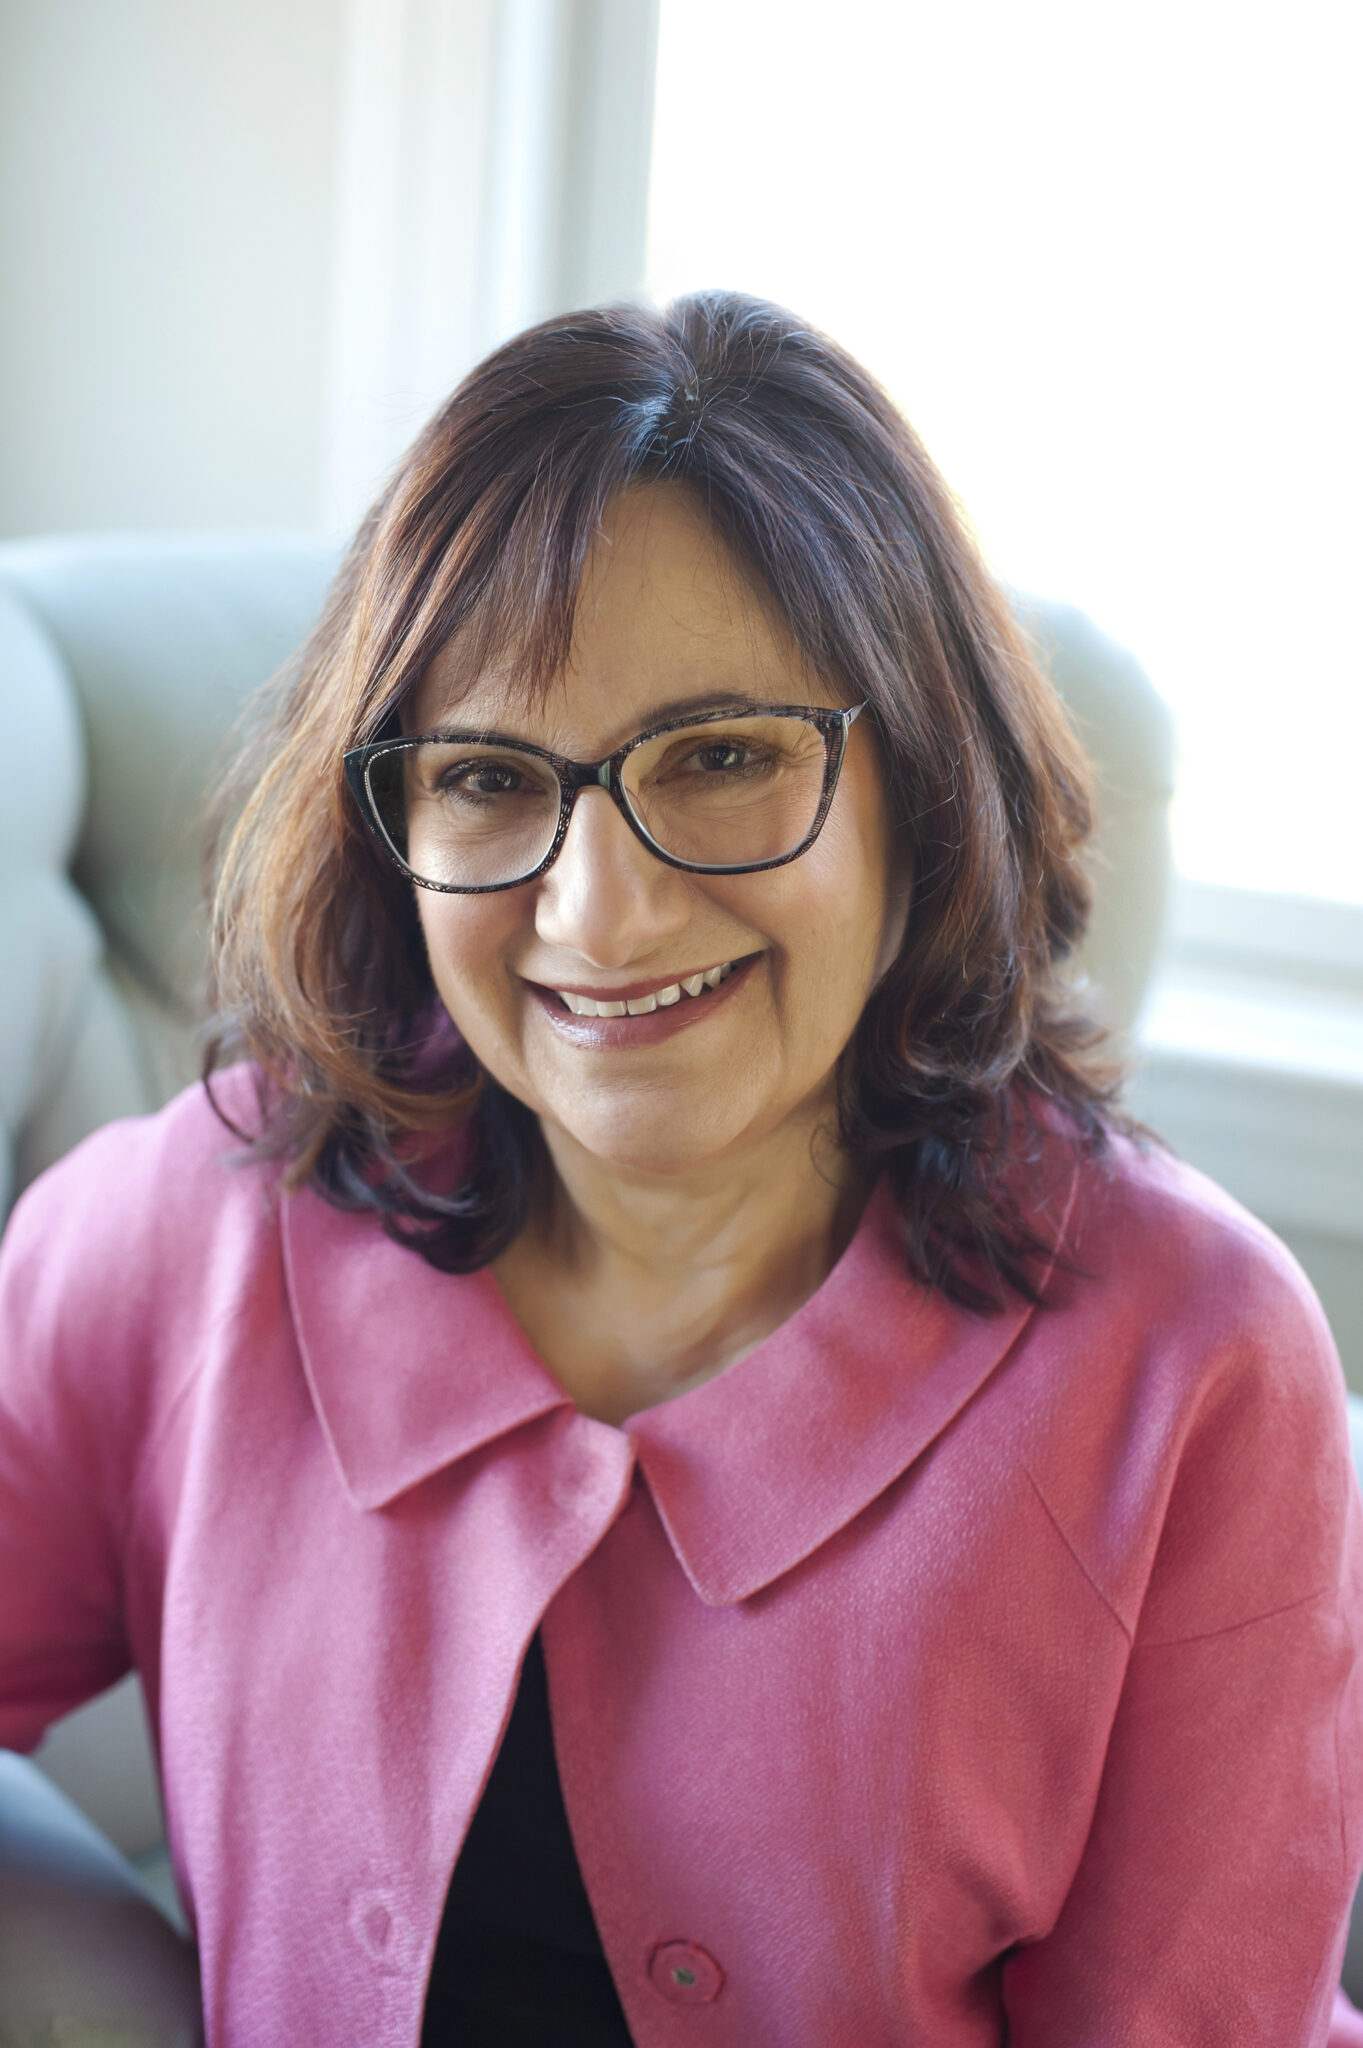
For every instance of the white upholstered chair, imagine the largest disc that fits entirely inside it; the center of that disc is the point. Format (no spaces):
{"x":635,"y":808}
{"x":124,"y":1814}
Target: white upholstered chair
{"x":123,"y":664}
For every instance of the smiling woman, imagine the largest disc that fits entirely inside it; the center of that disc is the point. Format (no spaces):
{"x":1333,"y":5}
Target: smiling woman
{"x":671,"y":520}
{"x":674,"y":997}
{"x":687,"y":1456}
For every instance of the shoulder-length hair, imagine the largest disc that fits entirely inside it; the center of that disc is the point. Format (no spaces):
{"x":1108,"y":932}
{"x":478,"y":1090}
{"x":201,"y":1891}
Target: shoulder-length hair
{"x":823,"y":495}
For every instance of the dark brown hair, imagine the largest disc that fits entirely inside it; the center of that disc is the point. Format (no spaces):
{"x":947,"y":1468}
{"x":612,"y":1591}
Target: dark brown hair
{"x":821,"y":492}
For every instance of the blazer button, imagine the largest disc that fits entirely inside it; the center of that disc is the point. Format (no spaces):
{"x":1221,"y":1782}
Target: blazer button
{"x":381,"y":1931}
{"x":685,"y":1973}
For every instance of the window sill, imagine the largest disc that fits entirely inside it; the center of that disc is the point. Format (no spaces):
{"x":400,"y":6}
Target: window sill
{"x":1257,"y":1078}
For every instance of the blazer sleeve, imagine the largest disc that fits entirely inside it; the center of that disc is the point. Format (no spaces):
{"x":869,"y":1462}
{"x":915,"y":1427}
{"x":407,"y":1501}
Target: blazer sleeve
{"x":65,"y":1280}
{"x":1211,"y":1901}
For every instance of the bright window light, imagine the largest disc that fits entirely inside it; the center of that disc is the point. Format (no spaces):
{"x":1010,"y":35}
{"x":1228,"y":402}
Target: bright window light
{"x":1107,"y":259}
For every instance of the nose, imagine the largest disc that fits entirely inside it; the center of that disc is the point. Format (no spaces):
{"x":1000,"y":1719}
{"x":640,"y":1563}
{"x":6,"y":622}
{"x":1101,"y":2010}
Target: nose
{"x":607,"y":898}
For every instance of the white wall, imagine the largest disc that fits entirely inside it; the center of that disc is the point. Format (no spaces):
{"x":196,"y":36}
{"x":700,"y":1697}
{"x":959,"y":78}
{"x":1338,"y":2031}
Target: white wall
{"x":167,"y":170}
{"x":247,"y":245}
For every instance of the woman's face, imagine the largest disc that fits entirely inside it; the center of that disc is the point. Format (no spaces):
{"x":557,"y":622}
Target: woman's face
{"x":664,"y":617}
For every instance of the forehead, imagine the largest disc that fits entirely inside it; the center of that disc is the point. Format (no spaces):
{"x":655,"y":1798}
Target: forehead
{"x":665,"y":620}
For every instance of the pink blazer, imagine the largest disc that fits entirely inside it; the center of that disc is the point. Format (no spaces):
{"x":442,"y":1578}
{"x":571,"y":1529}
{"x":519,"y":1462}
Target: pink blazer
{"x":923,"y":1675}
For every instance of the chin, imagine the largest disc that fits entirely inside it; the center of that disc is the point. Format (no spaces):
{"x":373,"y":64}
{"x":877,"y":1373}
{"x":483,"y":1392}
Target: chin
{"x":659,"y":1143}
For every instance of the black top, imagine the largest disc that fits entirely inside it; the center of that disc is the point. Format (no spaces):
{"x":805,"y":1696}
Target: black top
{"x":518,"y":1962}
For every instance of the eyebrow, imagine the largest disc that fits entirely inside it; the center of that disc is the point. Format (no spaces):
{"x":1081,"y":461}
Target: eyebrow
{"x":710,"y":700}
{"x":658,"y":714}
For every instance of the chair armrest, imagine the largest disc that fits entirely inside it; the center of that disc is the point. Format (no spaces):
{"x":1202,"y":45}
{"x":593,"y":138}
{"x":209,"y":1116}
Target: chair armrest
{"x":86,"y":1955}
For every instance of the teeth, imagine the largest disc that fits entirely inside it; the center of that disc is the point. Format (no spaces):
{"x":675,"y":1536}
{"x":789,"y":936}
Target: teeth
{"x":640,"y":1006}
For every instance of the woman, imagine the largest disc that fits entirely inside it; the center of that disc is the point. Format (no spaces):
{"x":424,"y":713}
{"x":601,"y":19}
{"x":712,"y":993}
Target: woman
{"x":687,"y":1409}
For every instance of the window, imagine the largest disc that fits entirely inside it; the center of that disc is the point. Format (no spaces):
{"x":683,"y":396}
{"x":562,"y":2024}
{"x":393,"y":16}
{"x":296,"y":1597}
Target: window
{"x":1106,"y":259}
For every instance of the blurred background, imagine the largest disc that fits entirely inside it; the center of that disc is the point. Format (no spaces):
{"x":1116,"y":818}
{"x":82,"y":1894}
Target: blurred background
{"x":1106,"y":258}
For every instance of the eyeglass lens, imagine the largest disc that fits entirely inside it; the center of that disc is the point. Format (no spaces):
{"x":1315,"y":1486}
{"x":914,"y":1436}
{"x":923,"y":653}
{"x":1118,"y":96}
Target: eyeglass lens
{"x":722,"y":793}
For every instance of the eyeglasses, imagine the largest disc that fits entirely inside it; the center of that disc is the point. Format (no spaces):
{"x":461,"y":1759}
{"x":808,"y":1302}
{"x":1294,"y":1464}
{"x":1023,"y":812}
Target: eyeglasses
{"x":728,"y":793}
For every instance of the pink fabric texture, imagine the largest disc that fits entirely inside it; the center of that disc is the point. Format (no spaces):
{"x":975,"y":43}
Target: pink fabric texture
{"x":926,"y":1674}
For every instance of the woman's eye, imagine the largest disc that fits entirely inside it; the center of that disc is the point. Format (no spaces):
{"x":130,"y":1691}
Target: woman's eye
{"x":721,"y":757}
{"x":484,"y":778}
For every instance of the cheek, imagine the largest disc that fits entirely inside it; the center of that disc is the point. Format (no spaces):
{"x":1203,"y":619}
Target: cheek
{"x":829,"y":915}
{"x":844,"y":892}
{"x":466,"y":942}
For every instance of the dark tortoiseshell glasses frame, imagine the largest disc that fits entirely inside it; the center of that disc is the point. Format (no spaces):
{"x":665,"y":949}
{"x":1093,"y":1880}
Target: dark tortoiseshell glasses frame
{"x":575,"y":776}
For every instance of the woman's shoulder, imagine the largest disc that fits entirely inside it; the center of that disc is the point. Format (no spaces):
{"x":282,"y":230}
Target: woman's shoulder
{"x":1186,"y":1390}
{"x":119,"y":1240}
{"x":125,"y":1271}
{"x":145,"y":1179}
{"x":1197,"y":1299}
{"x":1156,"y":1231}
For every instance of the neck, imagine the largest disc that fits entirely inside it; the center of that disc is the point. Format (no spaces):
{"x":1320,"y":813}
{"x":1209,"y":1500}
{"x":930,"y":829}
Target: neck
{"x":636,"y":1286}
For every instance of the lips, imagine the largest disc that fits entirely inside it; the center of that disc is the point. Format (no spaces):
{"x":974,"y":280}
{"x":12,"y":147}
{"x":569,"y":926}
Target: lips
{"x":642,"y":1005}
{"x":644,"y":1013}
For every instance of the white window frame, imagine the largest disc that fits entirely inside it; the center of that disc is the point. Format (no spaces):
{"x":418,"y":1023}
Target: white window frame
{"x":1281,"y":936}
{"x":1251,"y":1056}
{"x":493,"y":170}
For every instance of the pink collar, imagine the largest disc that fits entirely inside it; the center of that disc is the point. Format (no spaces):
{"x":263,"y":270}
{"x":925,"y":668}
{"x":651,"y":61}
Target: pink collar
{"x":411,"y":1370}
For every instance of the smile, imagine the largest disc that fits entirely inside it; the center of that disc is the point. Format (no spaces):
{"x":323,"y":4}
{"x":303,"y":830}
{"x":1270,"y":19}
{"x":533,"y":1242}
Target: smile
{"x":642,"y":1013}
{"x":640,"y":1005}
